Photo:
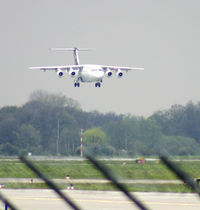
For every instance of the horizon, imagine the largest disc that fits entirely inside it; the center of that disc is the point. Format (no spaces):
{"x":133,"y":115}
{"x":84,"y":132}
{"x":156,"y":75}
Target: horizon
{"x":102,"y":112}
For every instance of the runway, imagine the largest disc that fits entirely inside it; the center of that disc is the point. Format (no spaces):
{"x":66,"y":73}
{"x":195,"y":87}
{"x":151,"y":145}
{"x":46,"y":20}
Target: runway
{"x":99,"y":200}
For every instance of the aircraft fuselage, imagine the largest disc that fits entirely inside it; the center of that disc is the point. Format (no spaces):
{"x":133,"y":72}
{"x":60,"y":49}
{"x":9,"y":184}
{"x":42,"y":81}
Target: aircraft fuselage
{"x":91,"y":73}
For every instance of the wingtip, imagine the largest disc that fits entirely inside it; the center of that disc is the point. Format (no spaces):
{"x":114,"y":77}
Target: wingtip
{"x":142,"y":69}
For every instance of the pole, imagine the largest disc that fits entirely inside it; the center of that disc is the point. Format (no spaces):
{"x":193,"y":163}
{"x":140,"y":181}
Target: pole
{"x":58,"y":136}
{"x":81,"y":147}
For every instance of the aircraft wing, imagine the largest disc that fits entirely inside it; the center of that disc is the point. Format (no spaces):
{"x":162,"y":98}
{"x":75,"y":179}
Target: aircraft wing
{"x":121,"y":68}
{"x":56,"y":68}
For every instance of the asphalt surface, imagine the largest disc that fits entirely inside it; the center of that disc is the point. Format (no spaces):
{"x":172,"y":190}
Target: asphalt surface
{"x":99,"y":200}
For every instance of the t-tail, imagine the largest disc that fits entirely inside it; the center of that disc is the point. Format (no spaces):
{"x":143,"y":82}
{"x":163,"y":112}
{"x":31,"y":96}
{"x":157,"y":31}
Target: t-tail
{"x":75,"y":50}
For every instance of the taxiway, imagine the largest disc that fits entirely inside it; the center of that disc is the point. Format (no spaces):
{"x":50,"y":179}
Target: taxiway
{"x":99,"y":200}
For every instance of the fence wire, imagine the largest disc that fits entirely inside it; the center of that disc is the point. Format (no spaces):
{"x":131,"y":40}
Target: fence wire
{"x":39,"y":172}
{"x":7,"y":203}
{"x":50,"y":184}
{"x":181,"y":174}
{"x":109,"y":175}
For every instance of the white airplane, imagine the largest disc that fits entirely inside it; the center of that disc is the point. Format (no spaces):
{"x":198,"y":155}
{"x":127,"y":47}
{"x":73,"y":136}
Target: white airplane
{"x":86,"y":72}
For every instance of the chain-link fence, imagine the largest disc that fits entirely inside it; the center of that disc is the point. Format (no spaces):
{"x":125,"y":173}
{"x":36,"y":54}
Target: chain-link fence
{"x":125,"y":175}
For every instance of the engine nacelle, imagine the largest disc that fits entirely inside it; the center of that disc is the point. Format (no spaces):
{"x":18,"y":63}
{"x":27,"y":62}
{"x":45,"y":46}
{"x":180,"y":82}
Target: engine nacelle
{"x":119,"y":73}
{"x":109,"y":73}
{"x":60,"y":73}
{"x":72,"y":73}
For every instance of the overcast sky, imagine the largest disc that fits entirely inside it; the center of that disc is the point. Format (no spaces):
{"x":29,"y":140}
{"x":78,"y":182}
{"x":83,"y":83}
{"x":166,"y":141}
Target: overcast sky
{"x":161,"y":36}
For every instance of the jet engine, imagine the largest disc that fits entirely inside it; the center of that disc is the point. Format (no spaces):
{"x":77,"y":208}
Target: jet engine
{"x":109,"y":73}
{"x":119,"y":73}
{"x":72,"y":73}
{"x":59,"y":73}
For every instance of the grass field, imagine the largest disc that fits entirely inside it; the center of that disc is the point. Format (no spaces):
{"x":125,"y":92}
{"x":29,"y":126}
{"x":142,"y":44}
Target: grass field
{"x":109,"y":187}
{"x":84,"y":170}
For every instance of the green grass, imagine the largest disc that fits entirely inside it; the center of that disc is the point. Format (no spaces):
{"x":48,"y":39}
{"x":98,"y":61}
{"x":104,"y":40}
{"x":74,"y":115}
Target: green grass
{"x":26,"y":186}
{"x":137,"y":187}
{"x":83,"y":169}
{"x":179,"y":188}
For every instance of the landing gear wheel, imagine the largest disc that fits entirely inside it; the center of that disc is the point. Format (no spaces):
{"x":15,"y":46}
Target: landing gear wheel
{"x":76,"y":84}
{"x":98,"y":84}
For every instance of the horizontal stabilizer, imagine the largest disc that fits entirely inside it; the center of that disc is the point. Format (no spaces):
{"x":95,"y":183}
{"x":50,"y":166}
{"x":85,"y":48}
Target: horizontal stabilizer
{"x":71,"y":49}
{"x":75,"y":50}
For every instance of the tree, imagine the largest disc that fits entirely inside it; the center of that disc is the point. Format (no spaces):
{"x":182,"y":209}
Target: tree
{"x":9,"y":149}
{"x":53,"y":100}
{"x":94,"y":139}
{"x":34,"y":127}
{"x":29,"y":139}
{"x":176,"y":145}
{"x":69,"y":140}
{"x":180,"y":121}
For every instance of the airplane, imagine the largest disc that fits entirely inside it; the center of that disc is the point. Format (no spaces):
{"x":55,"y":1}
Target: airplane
{"x":85,"y":72}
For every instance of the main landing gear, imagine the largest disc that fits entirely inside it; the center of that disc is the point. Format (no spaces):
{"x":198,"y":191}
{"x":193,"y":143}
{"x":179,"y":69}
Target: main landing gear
{"x":97,"y":84}
{"x":76,"y":84}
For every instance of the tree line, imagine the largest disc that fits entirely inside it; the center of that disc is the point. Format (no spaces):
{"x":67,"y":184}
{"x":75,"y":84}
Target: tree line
{"x":49,"y":124}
